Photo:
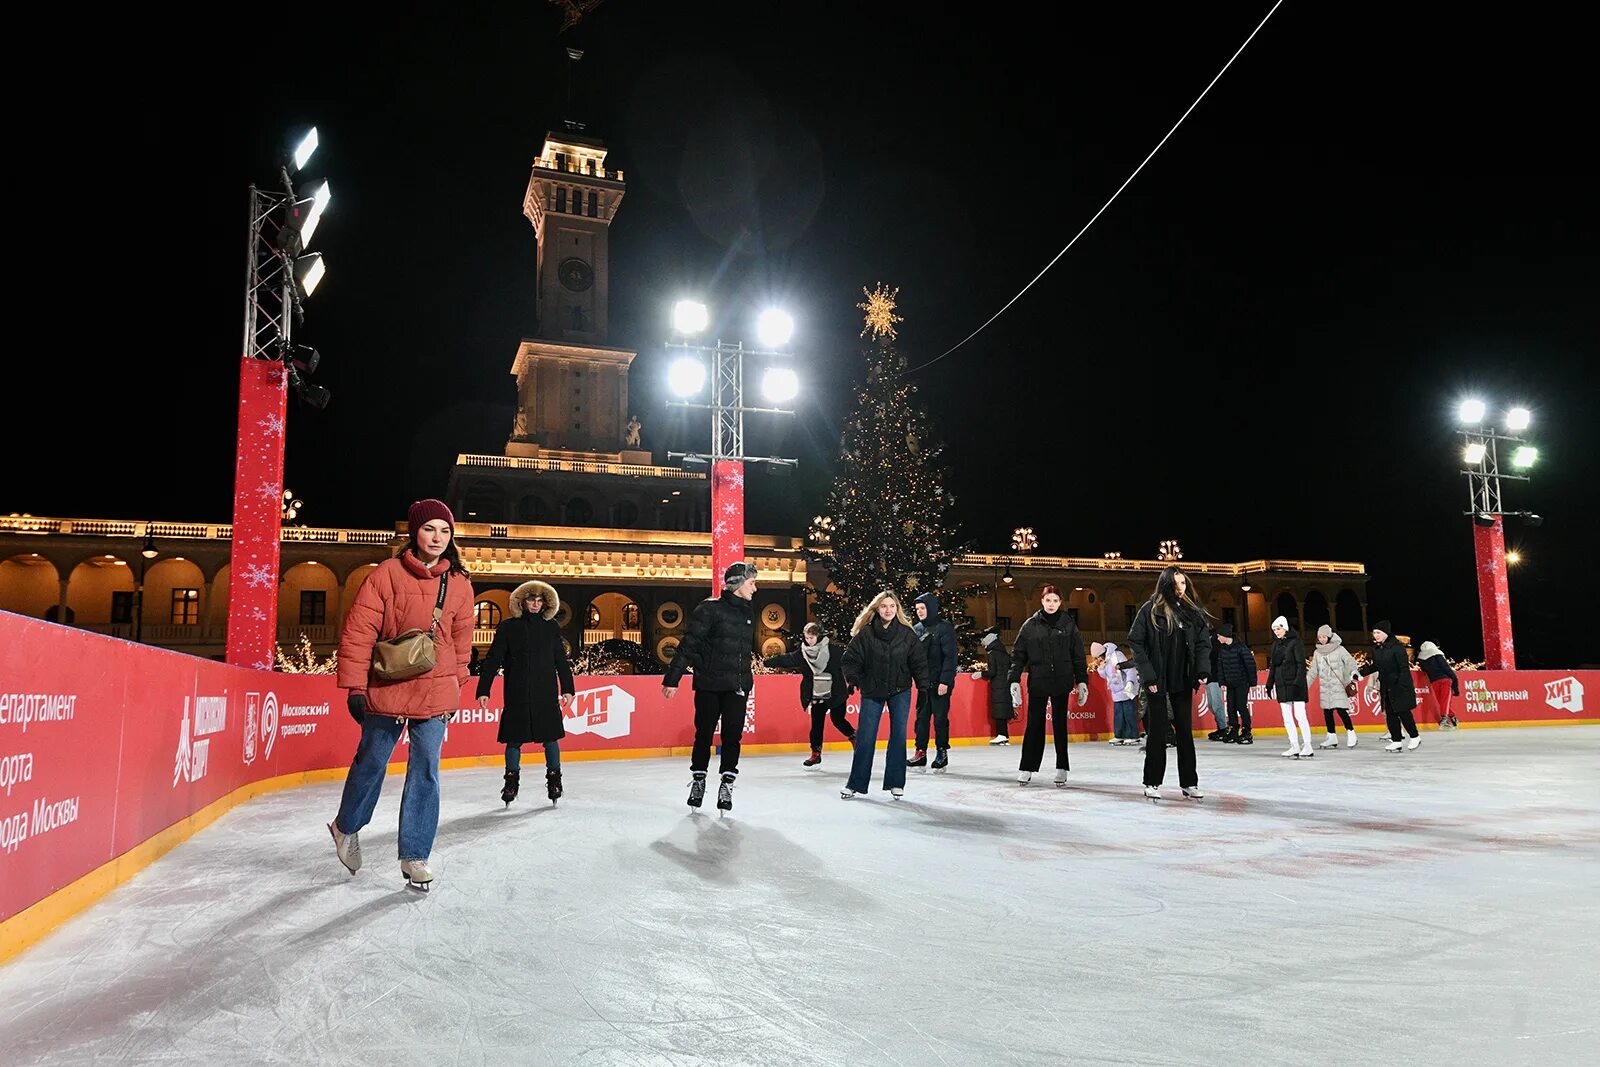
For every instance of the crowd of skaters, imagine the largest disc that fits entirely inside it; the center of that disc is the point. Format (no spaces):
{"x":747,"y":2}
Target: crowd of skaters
{"x":888,"y":655}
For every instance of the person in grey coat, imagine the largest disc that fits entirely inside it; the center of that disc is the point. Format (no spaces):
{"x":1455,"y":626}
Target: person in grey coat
{"x":1336,"y":671}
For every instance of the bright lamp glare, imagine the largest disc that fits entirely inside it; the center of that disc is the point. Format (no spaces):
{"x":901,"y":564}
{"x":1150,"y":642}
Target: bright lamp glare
{"x":1518,"y":419}
{"x":302,"y":154}
{"x":1474,"y":454}
{"x":311,"y":269}
{"x":686,"y":377}
{"x":780,"y":385}
{"x":774,"y":327}
{"x":689,"y":317}
{"x":1472,"y":411}
{"x":1524,"y":457}
{"x":319,"y":204}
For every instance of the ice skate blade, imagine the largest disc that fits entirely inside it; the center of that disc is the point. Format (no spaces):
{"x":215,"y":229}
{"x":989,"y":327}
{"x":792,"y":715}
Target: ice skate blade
{"x":421,"y":887}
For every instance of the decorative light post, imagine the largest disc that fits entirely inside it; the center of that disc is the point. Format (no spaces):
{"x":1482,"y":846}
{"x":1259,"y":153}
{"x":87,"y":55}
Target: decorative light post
{"x":1169,"y":552}
{"x":1480,"y":455}
{"x":1023,"y":539}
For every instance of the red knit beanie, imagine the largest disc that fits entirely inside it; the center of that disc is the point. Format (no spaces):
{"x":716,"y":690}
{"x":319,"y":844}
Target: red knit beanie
{"x":425,"y":511}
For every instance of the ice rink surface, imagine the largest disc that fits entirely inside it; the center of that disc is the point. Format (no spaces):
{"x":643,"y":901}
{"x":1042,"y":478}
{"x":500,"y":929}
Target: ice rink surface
{"x":1432,"y":907}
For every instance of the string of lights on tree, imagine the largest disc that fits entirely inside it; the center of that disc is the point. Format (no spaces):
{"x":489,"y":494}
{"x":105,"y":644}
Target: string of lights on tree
{"x":886,"y":520}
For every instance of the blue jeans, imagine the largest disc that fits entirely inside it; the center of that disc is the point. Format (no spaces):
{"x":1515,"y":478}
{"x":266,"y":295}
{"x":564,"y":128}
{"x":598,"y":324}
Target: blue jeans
{"x":419,"y":802}
{"x":552,"y":757}
{"x":894,"y":768}
{"x":1219,"y":710}
{"x":1126,"y":719}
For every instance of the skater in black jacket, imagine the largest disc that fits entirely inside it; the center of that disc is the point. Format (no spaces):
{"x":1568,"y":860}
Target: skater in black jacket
{"x":883,"y":660}
{"x":538,"y":687}
{"x":719,"y":645}
{"x":1236,"y":669}
{"x":1050,"y":649}
{"x":938,"y":638}
{"x":823,"y":690}
{"x":998,"y":674}
{"x":1395,"y":689}
{"x":1172,"y":649}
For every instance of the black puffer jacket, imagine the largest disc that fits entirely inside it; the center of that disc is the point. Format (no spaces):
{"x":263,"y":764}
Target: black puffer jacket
{"x":999,"y":674}
{"x":718,"y":644}
{"x":1393,"y":669}
{"x":1286,"y":670}
{"x":1051,"y":651}
{"x":886,"y":662}
{"x":1149,"y":643}
{"x":939,"y":640}
{"x":838,"y":692}
{"x":1234,"y":665}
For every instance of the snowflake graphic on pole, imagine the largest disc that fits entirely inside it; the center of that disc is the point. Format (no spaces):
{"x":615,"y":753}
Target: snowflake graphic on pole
{"x":258,"y":575}
{"x":720,"y":529}
{"x":271,"y":424}
{"x":730,"y":508}
{"x":735,"y":478}
{"x":257,"y":614}
{"x":268,"y":491}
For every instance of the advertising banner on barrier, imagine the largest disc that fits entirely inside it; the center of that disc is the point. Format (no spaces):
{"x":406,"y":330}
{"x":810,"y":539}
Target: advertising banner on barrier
{"x":105,"y":743}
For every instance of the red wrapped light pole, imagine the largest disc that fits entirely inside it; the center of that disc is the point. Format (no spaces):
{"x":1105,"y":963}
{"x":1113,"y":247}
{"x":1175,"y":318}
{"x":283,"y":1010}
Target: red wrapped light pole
{"x":1481,"y":458}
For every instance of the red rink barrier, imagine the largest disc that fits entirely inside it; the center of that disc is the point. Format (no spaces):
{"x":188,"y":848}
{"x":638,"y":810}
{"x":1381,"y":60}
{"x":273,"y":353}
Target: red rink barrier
{"x":105,"y":744}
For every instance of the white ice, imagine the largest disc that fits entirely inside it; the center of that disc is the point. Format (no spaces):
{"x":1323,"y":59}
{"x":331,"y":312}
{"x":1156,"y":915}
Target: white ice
{"x":1428,"y":907}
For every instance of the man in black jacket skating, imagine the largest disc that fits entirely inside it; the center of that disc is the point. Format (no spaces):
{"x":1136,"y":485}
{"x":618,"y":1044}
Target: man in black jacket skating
{"x":718,"y":645}
{"x":938,"y":639}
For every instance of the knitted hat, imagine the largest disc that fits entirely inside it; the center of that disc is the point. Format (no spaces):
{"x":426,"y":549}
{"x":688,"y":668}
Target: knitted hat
{"x":989,"y":637}
{"x":1382,"y":624}
{"x":1097,"y":649}
{"x":1225,"y":630}
{"x":738,"y":574}
{"x":425,"y":511}
{"x":1280,"y":621}
{"x":1324,"y":631}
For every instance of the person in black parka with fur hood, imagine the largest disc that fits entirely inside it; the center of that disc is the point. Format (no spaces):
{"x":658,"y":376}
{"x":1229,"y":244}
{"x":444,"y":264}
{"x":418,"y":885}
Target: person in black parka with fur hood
{"x":538,"y":686}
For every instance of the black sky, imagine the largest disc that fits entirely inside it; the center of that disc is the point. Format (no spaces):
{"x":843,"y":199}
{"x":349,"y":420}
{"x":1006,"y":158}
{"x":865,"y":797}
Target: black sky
{"x":1256,"y":350}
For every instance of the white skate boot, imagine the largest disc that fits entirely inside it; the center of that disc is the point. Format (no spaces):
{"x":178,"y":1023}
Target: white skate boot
{"x":1350,"y":739}
{"x":417,"y":874}
{"x":1292,"y":753}
{"x":1192,"y":792}
{"x":1306,"y":751}
{"x":1393,"y":746}
{"x":1061,"y":776}
{"x":1414,"y":742}
{"x":1153,"y":792}
{"x":1024,"y":777}
{"x":347,"y":847}
{"x":1331,"y":741}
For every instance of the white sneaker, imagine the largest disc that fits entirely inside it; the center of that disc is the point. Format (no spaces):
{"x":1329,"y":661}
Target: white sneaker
{"x":1350,"y":739}
{"x":1024,"y":777}
{"x":1293,"y":753}
{"x":847,"y":794}
{"x":1192,"y":792}
{"x":897,"y":793}
{"x":347,"y":847}
{"x":1331,"y":741}
{"x":1393,"y":746}
{"x":999,"y":739}
{"x":1061,"y":776}
{"x":1414,"y":742}
{"x":417,"y":874}
{"x":1307,"y":752}
{"x":1153,"y":792}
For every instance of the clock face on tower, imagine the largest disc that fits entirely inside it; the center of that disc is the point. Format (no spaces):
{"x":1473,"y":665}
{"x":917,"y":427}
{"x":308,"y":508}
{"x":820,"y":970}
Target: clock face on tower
{"x":575,"y":274}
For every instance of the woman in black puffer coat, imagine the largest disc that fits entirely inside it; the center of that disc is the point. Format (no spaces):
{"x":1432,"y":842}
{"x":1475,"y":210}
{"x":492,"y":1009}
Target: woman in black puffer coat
{"x":538,"y":685}
{"x":1395,"y":687}
{"x":1286,"y":683}
{"x":1172,"y":649}
{"x":883,"y":659}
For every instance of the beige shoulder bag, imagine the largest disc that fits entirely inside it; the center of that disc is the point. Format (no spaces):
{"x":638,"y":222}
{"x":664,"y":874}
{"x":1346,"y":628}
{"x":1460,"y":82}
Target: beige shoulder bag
{"x":412,"y":653}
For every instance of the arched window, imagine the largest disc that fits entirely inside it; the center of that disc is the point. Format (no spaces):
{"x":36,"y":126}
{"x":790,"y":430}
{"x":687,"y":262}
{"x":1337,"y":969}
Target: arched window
{"x":579,"y":511}
{"x":488,"y":615}
{"x":1316,"y":610}
{"x":1347,"y":609}
{"x":1285,"y":606}
{"x":530,"y":509}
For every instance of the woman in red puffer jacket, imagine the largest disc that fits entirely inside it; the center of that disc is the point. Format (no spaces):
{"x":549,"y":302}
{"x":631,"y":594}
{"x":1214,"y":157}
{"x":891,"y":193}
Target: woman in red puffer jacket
{"x":402,"y":595}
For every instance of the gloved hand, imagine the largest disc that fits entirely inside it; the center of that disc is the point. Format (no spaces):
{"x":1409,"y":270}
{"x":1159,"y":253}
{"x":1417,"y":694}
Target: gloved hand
{"x":1455,"y":690}
{"x":1269,"y":690}
{"x":1016,"y":694}
{"x":1083,"y":693}
{"x":356,"y":704}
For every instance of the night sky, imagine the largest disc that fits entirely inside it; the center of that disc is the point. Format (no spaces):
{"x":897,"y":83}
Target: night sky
{"x":1257,"y":350}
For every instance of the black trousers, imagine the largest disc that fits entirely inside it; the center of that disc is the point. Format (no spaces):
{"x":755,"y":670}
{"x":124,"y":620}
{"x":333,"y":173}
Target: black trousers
{"x":1397,"y":719}
{"x":1344,"y":713}
{"x":930,"y":703}
{"x":1239,"y":707}
{"x":1174,"y":709}
{"x":709,"y":710}
{"x":819,"y":712}
{"x":1033,"y":736}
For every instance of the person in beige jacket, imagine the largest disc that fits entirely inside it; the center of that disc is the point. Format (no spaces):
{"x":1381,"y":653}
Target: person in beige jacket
{"x":1336,"y":670}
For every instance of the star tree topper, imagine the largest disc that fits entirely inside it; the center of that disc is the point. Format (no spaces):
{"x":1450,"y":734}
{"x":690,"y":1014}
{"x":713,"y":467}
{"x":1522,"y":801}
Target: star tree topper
{"x":880,"y":317}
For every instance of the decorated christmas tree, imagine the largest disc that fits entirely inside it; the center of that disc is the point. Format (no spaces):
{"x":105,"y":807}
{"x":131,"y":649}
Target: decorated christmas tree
{"x":885,"y":524}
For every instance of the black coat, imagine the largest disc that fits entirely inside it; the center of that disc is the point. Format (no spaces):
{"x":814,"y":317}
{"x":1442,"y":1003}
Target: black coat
{"x":796,"y":661}
{"x":999,"y":675}
{"x":537,"y":673}
{"x":939,"y":640}
{"x":1149,"y":644}
{"x":718,"y":643}
{"x":881,"y":668}
{"x":1393,"y":669}
{"x":1286,"y":670}
{"x":1234,"y":665}
{"x":1052,"y":655}
{"x":1437,"y":668}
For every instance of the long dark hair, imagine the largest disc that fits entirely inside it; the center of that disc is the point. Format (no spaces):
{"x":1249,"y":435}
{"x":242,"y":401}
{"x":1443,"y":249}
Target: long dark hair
{"x":1168,"y":602}
{"x":450,"y":552}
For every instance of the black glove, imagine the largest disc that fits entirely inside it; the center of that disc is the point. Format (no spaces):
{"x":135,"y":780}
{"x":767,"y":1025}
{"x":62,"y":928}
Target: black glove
{"x":356,"y":703}
{"x":1455,"y":690}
